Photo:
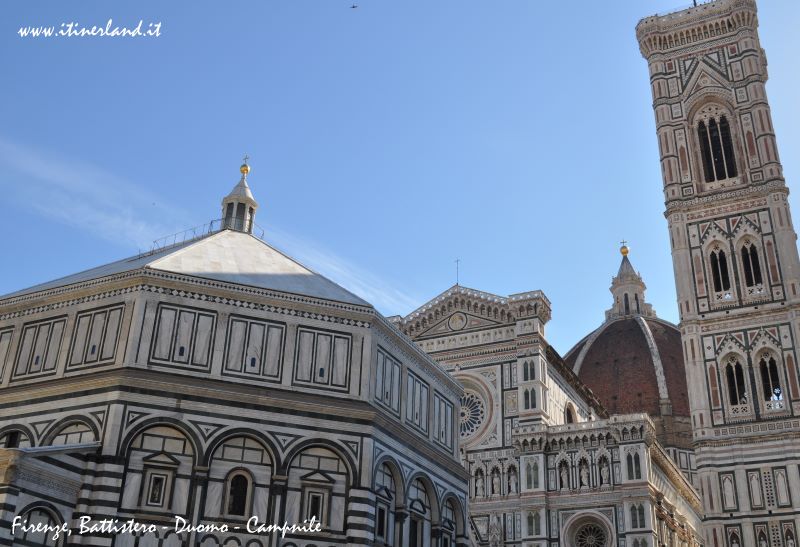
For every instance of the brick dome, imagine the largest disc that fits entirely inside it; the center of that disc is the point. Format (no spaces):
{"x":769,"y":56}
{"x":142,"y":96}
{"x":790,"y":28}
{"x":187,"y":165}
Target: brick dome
{"x":634,"y":364}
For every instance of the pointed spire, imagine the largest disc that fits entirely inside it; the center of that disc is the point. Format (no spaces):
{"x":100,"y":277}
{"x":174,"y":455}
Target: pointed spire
{"x":628,"y":290}
{"x":239,"y":207}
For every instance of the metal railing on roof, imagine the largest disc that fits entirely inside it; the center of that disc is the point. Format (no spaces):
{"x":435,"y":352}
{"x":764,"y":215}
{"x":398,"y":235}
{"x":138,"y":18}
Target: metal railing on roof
{"x":197,"y":232}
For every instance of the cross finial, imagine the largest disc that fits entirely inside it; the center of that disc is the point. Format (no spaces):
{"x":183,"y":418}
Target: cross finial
{"x":244,"y":160}
{"x":623,"y":243}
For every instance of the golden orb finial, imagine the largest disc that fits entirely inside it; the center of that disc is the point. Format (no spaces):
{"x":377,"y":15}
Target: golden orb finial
{"x":245,"y":169}
{"x":624,"y":250}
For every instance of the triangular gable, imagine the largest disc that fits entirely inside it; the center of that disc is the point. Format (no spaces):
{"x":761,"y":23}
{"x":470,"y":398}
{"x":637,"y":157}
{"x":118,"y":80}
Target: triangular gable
{"x":459,"y":321}
{"x":745,"y":221}
{"x":317,"y":476}
{"x":769,"y":333}
{"x":705,"y":77}
{"x":713,"y":229}
{"x":161,"y":459}
{"x":729,"y":342}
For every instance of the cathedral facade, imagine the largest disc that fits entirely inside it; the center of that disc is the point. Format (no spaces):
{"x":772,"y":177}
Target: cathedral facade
{"x":549,"y":465}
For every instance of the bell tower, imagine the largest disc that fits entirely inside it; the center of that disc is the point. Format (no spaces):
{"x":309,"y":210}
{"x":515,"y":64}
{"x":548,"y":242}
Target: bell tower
{"x":736,"y":266}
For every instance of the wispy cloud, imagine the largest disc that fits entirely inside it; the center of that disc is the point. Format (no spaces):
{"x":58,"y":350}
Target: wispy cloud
{"x":84,"y":195}
{"x":381,"y":293}
{"x":110,"y":207}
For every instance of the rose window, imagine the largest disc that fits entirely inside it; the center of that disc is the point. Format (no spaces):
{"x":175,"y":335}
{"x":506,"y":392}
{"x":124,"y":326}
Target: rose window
{"x":473,"y":414}
{"x":590,"y":535}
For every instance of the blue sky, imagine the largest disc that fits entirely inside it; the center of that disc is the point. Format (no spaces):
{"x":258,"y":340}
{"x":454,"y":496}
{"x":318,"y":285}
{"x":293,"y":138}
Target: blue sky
{"x":386,"y":141}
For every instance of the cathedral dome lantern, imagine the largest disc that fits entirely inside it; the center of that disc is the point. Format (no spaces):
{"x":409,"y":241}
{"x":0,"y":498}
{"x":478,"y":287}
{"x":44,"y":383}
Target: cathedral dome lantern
{"x":628,"y":289}
{"x":239,"y":207}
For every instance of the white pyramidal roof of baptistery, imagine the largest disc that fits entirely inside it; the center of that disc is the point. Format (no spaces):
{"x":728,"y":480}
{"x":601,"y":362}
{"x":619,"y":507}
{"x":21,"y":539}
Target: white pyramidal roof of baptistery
{"x":229,"y":256}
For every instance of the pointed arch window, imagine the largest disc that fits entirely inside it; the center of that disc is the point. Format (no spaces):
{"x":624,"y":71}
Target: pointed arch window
{"x":734,"y":374}
{"x":716,"y":145}
{"x":529,"y":476}
{"x":627,"y":304}
{"x":527,"y":399}
{"x":770,"y":379}
{"x":635,"y":517}
{"x":719,"y":269}
{"x":529,"y":371}
{"x":634,"y":466}
{"x":751,"y":265}
{"x":534,"y":523}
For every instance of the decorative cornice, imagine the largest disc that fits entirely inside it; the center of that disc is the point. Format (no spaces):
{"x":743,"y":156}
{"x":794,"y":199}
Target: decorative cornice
{"x":685,"y":206}
{"x":150,"y":274}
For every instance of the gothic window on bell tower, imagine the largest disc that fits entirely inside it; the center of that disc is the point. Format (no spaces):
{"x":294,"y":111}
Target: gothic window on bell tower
{"x":734,"y":375}
{"x":751,"y":265}
{"x":719,"y":269}
{"x":716,"y":144}
{"x":772,"y":391}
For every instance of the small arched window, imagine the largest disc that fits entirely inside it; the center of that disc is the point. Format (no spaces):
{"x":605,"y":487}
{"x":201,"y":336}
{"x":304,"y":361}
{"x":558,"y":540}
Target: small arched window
{"x":770,"y":379}
{"x":629,"y":461}
{"x":238,"y":494}
{"x":636,"y":298}
{"x":530,"y":524}
{"x":533,"y":398}
{"x":719,"y":269}
{"x":751,"y":265}
{"x":734,"y":374}
{"x":716,"y":145}
{"x":535,"y":474}
{"x":627,"y":304}
{"x":637,"y":467}
{"x":640,"y":510}
{"x":527,"y":399}
{"x":525,"y":373}
{"x":569,"y":415}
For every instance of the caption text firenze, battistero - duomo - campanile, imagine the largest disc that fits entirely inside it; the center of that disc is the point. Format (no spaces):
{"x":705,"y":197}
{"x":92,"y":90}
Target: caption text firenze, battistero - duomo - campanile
{"x":216,"y":378}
